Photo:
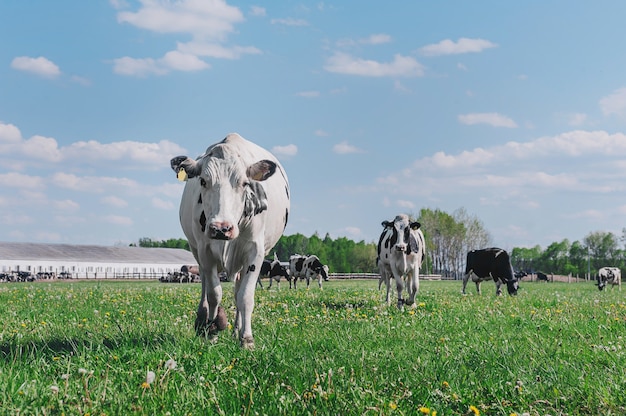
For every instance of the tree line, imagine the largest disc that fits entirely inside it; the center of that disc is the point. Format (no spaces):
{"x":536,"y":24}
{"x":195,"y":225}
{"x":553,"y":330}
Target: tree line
{"x":448,"y":239}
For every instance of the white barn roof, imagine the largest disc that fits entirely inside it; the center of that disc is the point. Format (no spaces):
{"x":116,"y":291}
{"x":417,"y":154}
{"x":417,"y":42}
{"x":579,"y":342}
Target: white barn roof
{"x":88,"y":261}
{"x":88,"y":253}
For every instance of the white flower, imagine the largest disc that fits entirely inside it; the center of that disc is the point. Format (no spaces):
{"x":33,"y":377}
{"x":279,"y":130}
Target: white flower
{"x":170,"y":364}
{"x":65,"y":376}
{"x":150,"y":376}
{"x":82,"y":371}
{"x":55,"y":389}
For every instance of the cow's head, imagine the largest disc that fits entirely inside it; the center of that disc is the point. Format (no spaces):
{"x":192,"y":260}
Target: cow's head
{"x":402,"y":239}
{"x":229,"y":191}
{"x":512,"y":286}
{"x":601,"y":282}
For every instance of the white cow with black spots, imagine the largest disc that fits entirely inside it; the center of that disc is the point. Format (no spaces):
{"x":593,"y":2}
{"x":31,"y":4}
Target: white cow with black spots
{"x":234,"y":208}
{"x":401,"y":251}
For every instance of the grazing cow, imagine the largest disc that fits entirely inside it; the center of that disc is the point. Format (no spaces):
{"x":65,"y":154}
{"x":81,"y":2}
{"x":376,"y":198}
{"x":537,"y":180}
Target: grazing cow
{"x":233,"y":210}
{"x":401,"y":251}
{"x":609,"y":276}
{"x":273,"y":270}
{"x":487,"y":264}
{"x":542,"y":276}
{"x":307,"y":267}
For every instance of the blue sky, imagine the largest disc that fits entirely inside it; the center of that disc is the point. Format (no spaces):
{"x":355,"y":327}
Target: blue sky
{"x":515,"y":111}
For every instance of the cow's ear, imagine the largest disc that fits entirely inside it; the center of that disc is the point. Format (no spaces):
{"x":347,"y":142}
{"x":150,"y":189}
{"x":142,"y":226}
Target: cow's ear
{"x":262,"y":170}
{"x":415,"y":225}
{"x":190,"y":166}
{"x":386,"y":224}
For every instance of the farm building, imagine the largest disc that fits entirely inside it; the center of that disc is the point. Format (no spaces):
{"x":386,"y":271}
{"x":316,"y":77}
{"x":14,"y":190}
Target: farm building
{"x":90,"y":261}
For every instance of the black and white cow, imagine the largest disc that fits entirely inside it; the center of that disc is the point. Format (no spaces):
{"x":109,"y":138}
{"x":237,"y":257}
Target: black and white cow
{"x":234,"y":208}
{"x":307,"y":267}
{"x":609,"y":276}
{"x":490,"y":264}
{"x":273,"y":270}
{"x":401,"y":251}
{"x":541,"y":276}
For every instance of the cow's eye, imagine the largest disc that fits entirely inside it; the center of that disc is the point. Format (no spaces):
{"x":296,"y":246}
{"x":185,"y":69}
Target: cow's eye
{"x":202,"y":183}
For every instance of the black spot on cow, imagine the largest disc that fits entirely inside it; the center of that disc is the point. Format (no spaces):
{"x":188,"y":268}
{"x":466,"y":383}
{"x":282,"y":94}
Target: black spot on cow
{"x":203,"y":221}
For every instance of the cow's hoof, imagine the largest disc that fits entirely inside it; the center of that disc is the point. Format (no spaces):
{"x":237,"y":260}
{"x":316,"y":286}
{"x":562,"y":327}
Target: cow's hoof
{"x":247,"y":343}
{"x":209,"y":329}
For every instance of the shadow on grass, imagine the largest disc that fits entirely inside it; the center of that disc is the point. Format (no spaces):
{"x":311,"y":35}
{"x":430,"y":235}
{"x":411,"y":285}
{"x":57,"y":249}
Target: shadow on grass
{"x":27,"y":349}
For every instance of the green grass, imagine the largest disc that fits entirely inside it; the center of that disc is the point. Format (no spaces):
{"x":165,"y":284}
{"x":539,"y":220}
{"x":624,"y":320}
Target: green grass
{"x":86,"y":347}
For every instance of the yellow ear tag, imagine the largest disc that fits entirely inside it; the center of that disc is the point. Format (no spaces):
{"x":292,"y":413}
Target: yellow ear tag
{"x":182,"y":175}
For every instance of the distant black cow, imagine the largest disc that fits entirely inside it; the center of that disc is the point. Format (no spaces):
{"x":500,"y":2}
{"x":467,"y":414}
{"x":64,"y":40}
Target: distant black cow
{"x":542,"y":276}
{"x":490,"y":264}
{"x":274,"y":270}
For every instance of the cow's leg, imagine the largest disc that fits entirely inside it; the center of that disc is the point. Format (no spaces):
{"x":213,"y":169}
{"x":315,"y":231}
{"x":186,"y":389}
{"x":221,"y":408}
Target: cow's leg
{"x":210,"y":317}
{"x":260,"y":283}
{"x":498,"y":288}
{"x":399,"y":289}
{"x":465,"y":280}
{"x":413,"y":286}
{"x":244,"y":298}
{"x":319,"y":281}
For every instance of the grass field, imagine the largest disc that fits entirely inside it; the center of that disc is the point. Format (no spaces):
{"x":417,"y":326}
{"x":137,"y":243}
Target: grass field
{"x":129,"y":348}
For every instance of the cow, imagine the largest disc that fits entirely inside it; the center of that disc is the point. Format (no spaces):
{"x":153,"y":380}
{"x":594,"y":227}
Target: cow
{"x":542,"y":276}
{"x":307,"y":267}
{"x":609,"y":276}
{"x":273,"y":269}
{"x":401,"y":251}
{"x":234,"y":208}
{"x":490,"y":264}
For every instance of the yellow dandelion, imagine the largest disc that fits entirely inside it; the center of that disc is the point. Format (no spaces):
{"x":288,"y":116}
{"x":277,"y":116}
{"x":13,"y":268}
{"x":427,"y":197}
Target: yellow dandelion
{"x":56,"y":358}
{"x":393,"y":406}
{"x":433,"y":413}
{"x":421,"y":304}
{"x":474,"y":410}
{"x":445,"y":384}
{"x":424,"y":410}
{"x":145,"y":385}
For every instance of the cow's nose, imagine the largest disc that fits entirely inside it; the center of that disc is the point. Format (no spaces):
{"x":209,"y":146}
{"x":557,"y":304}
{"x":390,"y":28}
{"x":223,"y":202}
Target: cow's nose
{"x":400,"y":247}
{"x":220,"y":230}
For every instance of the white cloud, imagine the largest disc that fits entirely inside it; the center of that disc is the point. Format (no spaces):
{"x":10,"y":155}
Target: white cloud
{"x":114,"y":201}
{"x":576,"y":119}
{"x":615,"y":103}
{"x":39,"y":66}
{"x":344,"y":148}
{"x":118,"y":220}
{"x":92,"y":184}
{"x":308,"y":94}
{"x":137,"y":66}
{"x":183,"y":61}
{"x":493,"y":119}
{"x":576,"y":161}
{"x":208,"y":23}
{"x":21,"y":181}
{"x":377,"y":39}
{"x":257,"y":11}
{"x":66,"y":205}
{"x":289,"y":150}
{"x":162,"y":204}
{"x":9,"y":133}
{"x":208,"y":19}
{"x":463,"y":45}
{"x":39,"y":148}
{"x":290,"y":22}
{"x":401,"y":66}
{"x":405,"y":204}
